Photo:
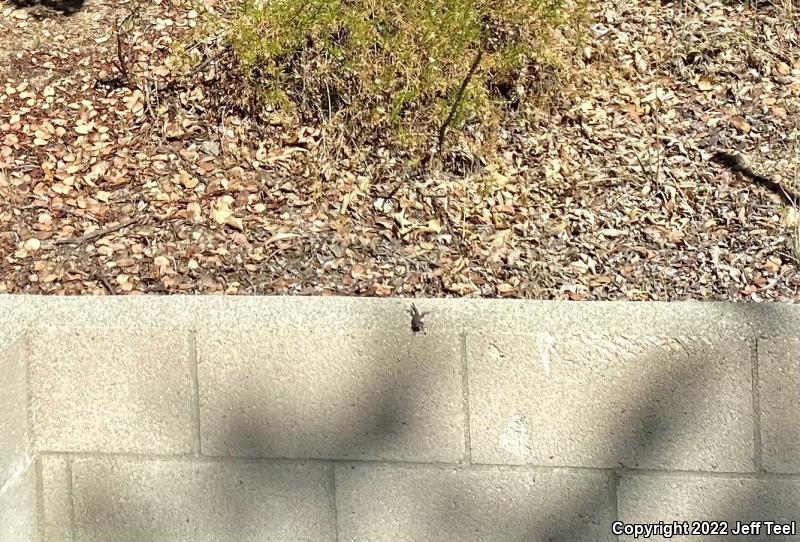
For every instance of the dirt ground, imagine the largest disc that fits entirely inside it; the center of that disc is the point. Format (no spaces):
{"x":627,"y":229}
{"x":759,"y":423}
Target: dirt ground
{"x":117,"y":181}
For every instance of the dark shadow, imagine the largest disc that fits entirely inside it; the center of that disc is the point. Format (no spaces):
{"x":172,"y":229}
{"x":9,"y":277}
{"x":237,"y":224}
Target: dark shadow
{"x":64,"y":7}
{"x":380,"y":408}
{"x":650,"y":428}
{"x":373,"y":419}
{"x":636,"y":441}
{"x":370,"y":419}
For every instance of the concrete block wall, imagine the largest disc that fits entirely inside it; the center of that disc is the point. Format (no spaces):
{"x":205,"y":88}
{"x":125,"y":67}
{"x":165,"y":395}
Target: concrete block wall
{"x":18,"y":507}
{"x":299,"y":419}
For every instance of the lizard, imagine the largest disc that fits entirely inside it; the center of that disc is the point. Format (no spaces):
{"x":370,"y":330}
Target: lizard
{"x":416,"y":319}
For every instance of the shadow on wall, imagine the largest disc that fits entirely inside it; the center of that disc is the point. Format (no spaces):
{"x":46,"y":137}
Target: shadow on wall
{"x":379,"y":410}
{"x":66,"y":7}
{"x":370,"y":420}
{"x":385,"y":404}
{"x":638,"y":437}
{"x":648,"y":428}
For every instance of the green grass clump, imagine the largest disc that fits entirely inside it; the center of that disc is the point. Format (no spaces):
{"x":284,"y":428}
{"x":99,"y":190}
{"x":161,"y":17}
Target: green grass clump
{"x":391,"y":66}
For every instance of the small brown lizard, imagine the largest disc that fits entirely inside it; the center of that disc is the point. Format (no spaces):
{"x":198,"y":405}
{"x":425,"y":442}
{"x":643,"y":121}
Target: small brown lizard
{"x":416,"y":319}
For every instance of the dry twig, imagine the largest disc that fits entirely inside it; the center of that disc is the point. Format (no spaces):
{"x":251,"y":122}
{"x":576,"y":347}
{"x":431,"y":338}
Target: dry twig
{"x":98,"y":233}
{"x":459,"y":96}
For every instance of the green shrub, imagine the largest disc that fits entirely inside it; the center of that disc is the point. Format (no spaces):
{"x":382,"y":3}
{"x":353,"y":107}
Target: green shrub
{"x":391,"y":66}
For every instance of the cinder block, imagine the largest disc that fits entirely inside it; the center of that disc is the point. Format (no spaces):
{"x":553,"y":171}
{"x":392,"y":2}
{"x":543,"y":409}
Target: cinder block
{"x":595,"y":318}
{"x":300,"y":313}
{"x":445,"y":504}
{"x":120,"y":312}
{"x":18,"y":507}
{"x":649,"y":499}
{"x":112,"y":390}
{"x":769,"y":319}
{"x":779,"y":382}
{"x":182,"y":500}
{"x":481,"y":315}
{"x":331,"y":393}
{"x":598,"y":401}
{"x":15,"y":316}
{"x":741,"y":320}
{"x":56,"y":504}
{"x":14,"y":429}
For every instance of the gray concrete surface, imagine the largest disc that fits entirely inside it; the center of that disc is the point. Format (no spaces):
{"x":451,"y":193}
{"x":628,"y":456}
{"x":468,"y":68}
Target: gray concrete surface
{"x":779,"y":386}
{"x":18,"y":506}
{"x":56,"y":503}
{"x":683,"y":404}
{"x":211,"y":418}
{"x":702,"y":498}
{"x":15,"y":433}
{"x":331,"y":393}
{"x":112,"y":390}
{"x":446,"y":504}
{"x":132,"y":500}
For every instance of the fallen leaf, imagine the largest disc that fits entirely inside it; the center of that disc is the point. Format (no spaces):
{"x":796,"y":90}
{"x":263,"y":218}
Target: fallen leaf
{"x":740,"y":124}
{"x":504,"y":288}
{"x":772,"y":265}
{"x":222,"y":209}
{"x":234,"y":222}
{"x":433,"y":226}
{"x":462,"y":288}
{"x":32,"y":245}
{"x":704,"y":84}
{"x":280,"y":237}
{"x":676,"y":236}
{"x":358,"y":271}
{"x":186,"y":180}
{"x":381,"y":290}
{"x":221,"y":215}
{"x":173,"y":130}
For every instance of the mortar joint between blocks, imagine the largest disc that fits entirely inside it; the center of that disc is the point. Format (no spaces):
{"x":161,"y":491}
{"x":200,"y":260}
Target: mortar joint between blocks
{"x":758,"y":460}
{"x":465,"y":398}
{"x":193,"y":368}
